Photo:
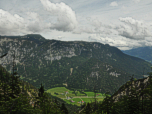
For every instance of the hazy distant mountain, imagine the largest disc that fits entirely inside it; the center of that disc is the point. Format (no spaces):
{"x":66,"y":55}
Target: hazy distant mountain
{"x":77,"y":64}
{"x":141,"y":52}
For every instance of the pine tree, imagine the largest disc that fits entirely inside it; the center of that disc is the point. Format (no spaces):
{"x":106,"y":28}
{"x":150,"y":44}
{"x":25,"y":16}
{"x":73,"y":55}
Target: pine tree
{"x":106,"y":105}
{"x":41,"y":91}
{"x":57,"y":103}
{"x":141,"y":94}
{"x":1,"y":72}
{"x":87,"y":109}
{"x":148,"y":96}
{"x":15,"y":82}
{"x":133,"y":100}
{"x":40,"y":98}
{"x":64,"y":109}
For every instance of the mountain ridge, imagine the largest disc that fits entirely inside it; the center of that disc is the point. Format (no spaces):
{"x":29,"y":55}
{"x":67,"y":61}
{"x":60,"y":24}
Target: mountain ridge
{"x":62,"y":56}
{"x":141,"y":52}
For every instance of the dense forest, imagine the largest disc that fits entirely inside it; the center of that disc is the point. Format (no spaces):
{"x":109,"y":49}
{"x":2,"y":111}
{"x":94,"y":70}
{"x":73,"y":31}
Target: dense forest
{"x":79,"y":64}
{"x":15,"y":99}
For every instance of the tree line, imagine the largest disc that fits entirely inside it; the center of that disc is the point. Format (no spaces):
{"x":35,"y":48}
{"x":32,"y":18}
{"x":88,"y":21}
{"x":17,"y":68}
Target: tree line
{"x":15,"y":100}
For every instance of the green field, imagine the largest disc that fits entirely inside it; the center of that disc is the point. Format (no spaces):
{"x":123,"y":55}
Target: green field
{"x":90,"y":94}
{"x":60,"y":93}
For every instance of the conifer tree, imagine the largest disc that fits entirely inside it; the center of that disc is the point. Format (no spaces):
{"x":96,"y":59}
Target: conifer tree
{"x":64,"y":109}
{"x":40,"y":97}
{"x":141,"y":94}
{"x":41,"y":91}
{"x":87,"y":109}
{"x":106,"y":104}
{"x":15,"y":82}
{"x":132,"y":100}
{"x":148,"y":95}
{"x":1,"y":72}
{"x":57,"y":103}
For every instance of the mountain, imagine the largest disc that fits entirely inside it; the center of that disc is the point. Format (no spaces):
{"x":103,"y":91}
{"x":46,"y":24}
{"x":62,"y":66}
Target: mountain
{"x":76,"y":64}
{"x":134,"y":97}
{"x":30,"y":37}
{"x":23,"y":104}
{"x":20,"y":97}
{"x":141,"y":52}
{"x":140,"y":84}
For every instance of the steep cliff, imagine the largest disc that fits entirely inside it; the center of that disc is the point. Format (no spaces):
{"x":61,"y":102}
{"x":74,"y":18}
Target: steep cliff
{"x":50,"y":61}
{"x":139,"y":85}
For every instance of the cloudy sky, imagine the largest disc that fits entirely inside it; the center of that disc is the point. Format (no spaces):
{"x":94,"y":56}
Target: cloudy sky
{"x":125,"y":24}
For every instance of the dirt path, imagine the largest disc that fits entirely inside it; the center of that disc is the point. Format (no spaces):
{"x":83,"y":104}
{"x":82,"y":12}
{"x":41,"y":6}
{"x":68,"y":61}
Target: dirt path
{"x":81,"y":99}
{"x":84,"y":97}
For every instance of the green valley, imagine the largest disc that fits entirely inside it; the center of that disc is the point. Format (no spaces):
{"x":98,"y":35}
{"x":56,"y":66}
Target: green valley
{"x":70,"y":77}
{"x":77,"y":96}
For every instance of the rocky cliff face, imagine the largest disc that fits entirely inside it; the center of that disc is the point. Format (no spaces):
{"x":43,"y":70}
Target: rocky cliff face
{"x":74,"y":62}
{"x":140,"y":85}
{"x":30,"y":47}
{"x":25,"y":49}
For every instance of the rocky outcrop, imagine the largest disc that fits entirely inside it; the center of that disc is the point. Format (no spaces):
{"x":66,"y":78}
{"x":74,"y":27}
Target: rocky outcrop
{"x":126,"y":88}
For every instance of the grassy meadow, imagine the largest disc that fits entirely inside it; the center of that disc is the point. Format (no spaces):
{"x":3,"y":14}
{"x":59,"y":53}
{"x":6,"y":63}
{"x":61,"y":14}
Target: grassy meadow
{"x":60,"y":92}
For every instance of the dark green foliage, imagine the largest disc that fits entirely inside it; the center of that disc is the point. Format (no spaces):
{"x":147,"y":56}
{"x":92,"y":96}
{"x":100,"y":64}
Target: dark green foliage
{"x":41,"y":91}
{"x":37,"y":67}
{"x":18,"y":106}
{"x":141,"y":52}
{"x":13,"y":100}
{"x":107,"y":105}
{"x":131,"y":104}
{"x":87,"y":109}
{"x":64,"y":109}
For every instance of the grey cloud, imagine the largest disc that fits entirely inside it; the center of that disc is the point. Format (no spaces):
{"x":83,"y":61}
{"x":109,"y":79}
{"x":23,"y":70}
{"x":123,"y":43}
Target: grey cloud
{"x":35,"y":23}
{"x":34,"y":27}
{"x":15,"y":24}
{"x":94,"y":27}
{"x":11,"y":24}
{"x":66,"y":18}
{"x":133,"y":29}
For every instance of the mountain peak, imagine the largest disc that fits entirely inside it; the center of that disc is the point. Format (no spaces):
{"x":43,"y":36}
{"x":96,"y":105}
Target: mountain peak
{"x":34,"y":36}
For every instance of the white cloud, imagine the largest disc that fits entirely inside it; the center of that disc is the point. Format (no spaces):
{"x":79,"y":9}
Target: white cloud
{"x":66,"y":18}
{"x":11,"y":24}
{"x":14,"y":24}
{"x":83,"y":29}
{"x":35,"y":23}
{"x":94,"y":26}
{"x":114,"y":4}
{"x":51,"y":18}
{"x":133,"y":29}
{"x":118,"y":41}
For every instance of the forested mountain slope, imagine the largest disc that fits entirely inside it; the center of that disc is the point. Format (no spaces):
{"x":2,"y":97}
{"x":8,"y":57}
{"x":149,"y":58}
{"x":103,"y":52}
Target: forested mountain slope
{"x":20,"y":97}
{"x":141,"y":52}
{"x":79,"y":64}
{"x":138,"y":99}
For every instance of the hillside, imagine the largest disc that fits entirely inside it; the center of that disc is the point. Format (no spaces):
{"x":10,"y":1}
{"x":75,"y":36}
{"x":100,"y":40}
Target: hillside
{"x":141,"y":52}
{"x":125,"y":88}
{"x":111,"y":107}
{"x":28,"y":96}
{"x":134,"y":97}
{"x":22,"y":97}
{"x":75,"y":63}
